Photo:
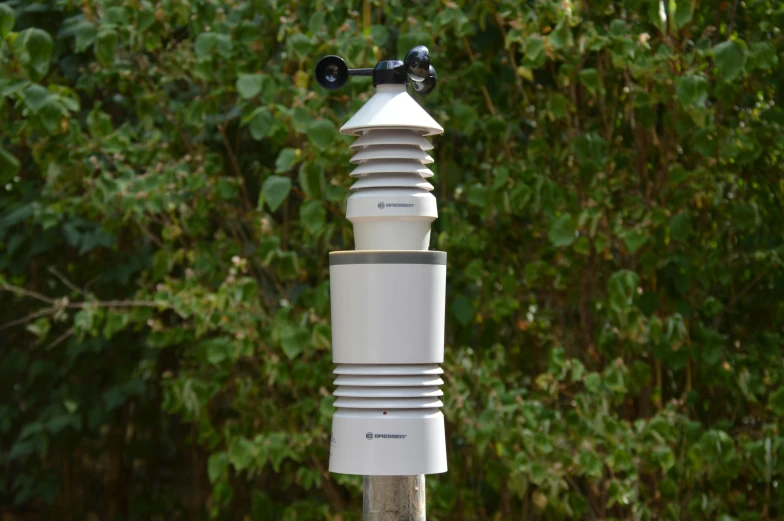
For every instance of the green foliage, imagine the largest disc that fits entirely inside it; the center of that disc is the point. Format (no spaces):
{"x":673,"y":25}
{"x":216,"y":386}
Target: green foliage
{"x":610,"y":196}
{"x":33,"y":50}
{"x":562,"y":231}
{"x":275,"y":190}
{"x":730,"y":57}
{"x":6,"y":20}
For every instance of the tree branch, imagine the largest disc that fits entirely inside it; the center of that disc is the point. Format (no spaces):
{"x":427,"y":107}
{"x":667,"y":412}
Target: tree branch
{"x":27,"y":318}
{"x":60,"y":339}
{"x":235,"y":166}
{"x":26,"y":293}
{"x":64,"y":303}
{"x":54,"y":271}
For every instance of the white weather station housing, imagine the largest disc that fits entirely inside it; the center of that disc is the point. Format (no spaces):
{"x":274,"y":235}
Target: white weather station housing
{"x":388,"y":295}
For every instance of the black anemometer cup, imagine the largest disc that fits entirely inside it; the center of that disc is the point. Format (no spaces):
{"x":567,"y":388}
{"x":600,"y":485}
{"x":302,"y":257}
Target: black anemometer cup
{"x":417,"y":63}
{"x":428,"y":84}
{"x":331,"y":72}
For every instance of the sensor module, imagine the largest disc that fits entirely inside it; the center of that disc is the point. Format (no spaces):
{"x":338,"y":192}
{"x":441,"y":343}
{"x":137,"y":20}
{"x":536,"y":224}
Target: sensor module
{"x":388,"y":296}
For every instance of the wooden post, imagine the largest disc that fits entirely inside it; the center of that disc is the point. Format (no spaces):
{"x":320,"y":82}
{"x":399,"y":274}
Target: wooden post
{"x":394,"y":498}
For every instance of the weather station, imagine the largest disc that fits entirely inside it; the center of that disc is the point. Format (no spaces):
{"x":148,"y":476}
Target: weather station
{"x":388,"y":295}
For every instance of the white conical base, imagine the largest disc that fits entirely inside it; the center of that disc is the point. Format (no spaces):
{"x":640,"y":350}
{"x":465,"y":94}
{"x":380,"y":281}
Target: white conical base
{"x":391,"y":107}
{"x":399,"y":443}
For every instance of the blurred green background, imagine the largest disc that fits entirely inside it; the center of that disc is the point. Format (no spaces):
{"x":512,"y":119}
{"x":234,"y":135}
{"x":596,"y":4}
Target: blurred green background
{"x":610,"y":189}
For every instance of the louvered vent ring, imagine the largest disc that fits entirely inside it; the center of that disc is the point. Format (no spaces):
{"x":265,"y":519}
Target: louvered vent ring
{"x":392,"y":158}
{"x":388,"y":387}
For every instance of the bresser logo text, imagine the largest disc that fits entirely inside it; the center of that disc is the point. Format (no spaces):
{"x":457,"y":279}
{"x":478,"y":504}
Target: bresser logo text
{"x":382,"y":205}
{"x":370,"y":436}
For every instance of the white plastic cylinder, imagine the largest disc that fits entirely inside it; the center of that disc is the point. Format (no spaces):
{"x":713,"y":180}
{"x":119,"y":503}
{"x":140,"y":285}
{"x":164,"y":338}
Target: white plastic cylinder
{"x":392,"y":218}
{"x":387,"y":307}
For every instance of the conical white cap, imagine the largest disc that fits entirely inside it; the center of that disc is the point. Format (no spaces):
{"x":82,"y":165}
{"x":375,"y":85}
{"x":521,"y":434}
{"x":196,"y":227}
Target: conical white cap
{"x":391,"y":108}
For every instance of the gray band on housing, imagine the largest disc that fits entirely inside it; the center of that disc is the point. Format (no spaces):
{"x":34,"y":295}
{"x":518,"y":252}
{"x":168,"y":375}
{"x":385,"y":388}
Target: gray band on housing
{"x":340,"y":258}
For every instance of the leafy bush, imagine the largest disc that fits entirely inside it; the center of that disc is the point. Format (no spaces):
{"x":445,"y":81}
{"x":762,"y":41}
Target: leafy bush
{"x":610,"y":190}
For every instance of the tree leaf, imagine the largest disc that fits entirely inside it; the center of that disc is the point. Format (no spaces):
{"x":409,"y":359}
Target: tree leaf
{"x":683,"y":13}
{"x":261,"y":124}
{"x":33,"y":48}
{"x":705,"y":142}
{"x":562,"y":231}
{"x":776,"y":401}
{"x":592,"y":382}
{"x":590,"y":463}
{"x":561,"y":36}
{"x":316,"y":22}
{"x":590,"y":147}
{"x":591,"y":79}
{"x":249,"y":85}
{"x":85,"y":34}
{"x":287,"y":158}
{"x":52,"y":112}
{"x":730,"y":58}
{"x":763,"y":56}
{"x":293,"y":339}
{"x":313,"y":215}
{"x":463,"y":309}
{"x":9,"y":166}
{"x":203,"y":44}
{"x":526,"y":73}
{"x":464,"y":116}
{"x":275,"y":190}
{"x":380,"y":34}
{"x":99,"y":123}
{"x":217,"y":349}
{"x":680,"y":227}
{"x":242,"y":452}
{"x":476,"y":194}
{"x":115,"y":15}
{"x":224,"y":45}
{"x":559,"y":105}
{"x":634,"y":239}
{"x":617,"y":28}
{"x":288,"y":268}
{"x":300,"y":44}
{"x":321,"y":133}
{"x":105,"y":47}
{"x":206,"y":42}
{"x":622,"y":287}
{"x":534,"y":51}
{"x":302,"y":119}
{"x":217,"y":466}
{"x":311,"y":179}
{"x":35,"y":97}
{"x":7,"y":20}
{"x":745,"y":215}
{"x":222,"y":494}
{"x":692,"y":90}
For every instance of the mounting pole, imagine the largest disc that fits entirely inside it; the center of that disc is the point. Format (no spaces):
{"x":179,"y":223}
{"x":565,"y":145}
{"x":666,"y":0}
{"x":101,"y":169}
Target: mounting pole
{"x":394,"y":498}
